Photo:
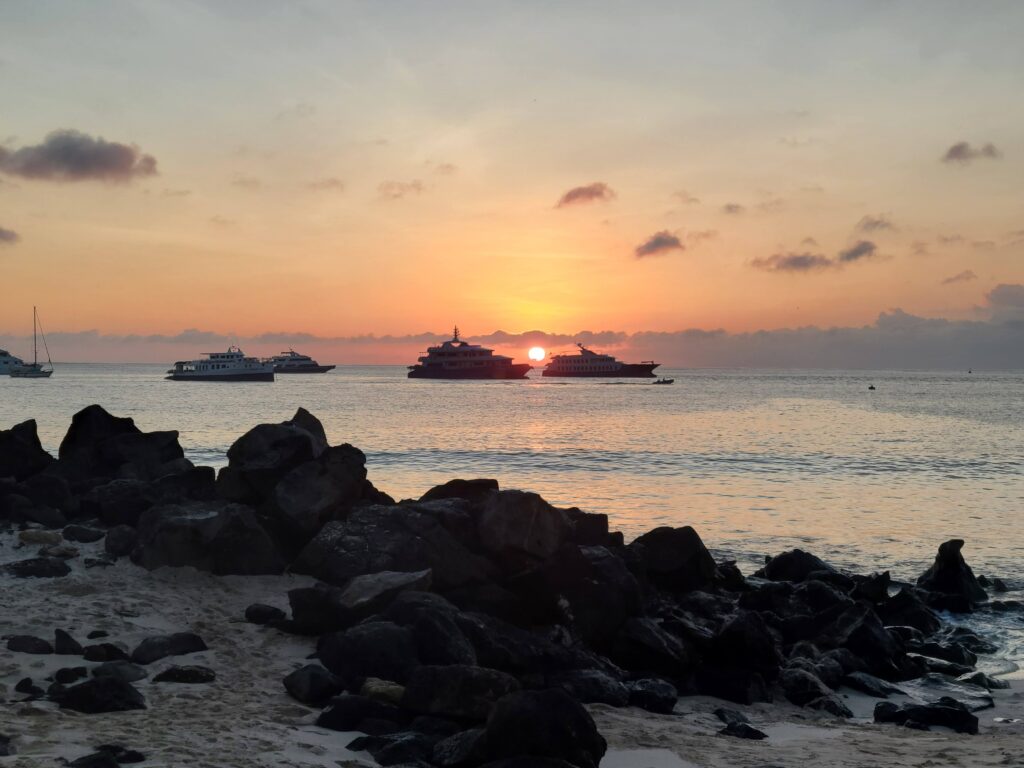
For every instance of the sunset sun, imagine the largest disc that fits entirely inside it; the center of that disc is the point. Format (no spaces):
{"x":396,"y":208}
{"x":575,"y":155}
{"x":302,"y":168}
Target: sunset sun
{"x":536,"y":353}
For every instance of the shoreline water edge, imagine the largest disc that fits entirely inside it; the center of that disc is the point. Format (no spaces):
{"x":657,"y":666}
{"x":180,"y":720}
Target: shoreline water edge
{"x":284,"y":611}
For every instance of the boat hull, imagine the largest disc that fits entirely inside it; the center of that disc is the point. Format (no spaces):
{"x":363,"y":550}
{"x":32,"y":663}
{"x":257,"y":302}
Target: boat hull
{"x":627,"y":371}
{"x":31,"y":375}
{"x":514,"y":371}
{"x":304,"y":369}
{"x":256,"y":376}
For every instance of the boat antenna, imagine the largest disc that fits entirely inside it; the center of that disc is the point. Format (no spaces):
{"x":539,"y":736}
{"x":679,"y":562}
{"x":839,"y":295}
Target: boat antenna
{"x":455,"y":334}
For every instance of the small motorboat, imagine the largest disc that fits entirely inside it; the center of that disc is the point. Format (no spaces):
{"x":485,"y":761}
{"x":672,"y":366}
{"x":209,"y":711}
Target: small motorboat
{"x":664,"y":381}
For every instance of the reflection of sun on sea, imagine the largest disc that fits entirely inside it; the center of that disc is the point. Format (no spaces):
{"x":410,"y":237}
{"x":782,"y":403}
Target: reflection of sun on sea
{"x":536,"y":353}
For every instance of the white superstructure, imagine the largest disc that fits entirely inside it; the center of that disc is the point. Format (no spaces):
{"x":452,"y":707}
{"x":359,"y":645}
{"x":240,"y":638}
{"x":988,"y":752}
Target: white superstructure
{"x":9,"y":361}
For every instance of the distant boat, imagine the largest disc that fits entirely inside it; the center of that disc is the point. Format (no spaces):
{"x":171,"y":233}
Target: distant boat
{"x":9,"y":362}
{"x":35,"y":370}
{"x":457,"y":359}
{"x":232,"y":365}
{"x":594,"y":365}
{"x":292,"y":362}
{"x":664,"y":381}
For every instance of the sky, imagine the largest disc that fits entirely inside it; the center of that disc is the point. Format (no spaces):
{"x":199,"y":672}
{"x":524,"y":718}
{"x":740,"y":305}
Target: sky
{"x":736,"y":183}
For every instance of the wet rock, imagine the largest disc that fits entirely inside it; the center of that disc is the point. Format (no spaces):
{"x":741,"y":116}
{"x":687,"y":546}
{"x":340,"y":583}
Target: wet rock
{"x":101,"y":694}
{"x":312,"y":685}
{"x":675,"y":558}
{"x":643,"y":646}
{"x":21,"y":453}
{"x":998,"y":585}
{"x":982,"y":680}
{"x":27,"y":686}
{"x":548,"y":724}
{"x":743,"y":731}
{"x":120,"y":540}
{"x":38,"y":568}
{"x":871,"y":685}
{"x":518,"y":524}
{"x":377,"y":649}
{"x":28,"y":644}
{"x":474,"y":491}
{"x":68,"y":675}
{"x":186,"y":675}
{"x":178,"y":644}
{"x":591,"y":686}
{"x":456,"y":691}
{"x":653,"y":695}
{"x":946,"y":712}
{"x":947,"y":651}
{"x":104,"y":652}
{"x":801,"y":687}
{"x":65,"y":645}
{"x":258,"y":613}
{"x":794,"y":565}
{"x":348,"y":713}
{"x":7,"y":746}
{"x":121,"y":669}
{"x":951,"y":581}
{"x":906,"y":608}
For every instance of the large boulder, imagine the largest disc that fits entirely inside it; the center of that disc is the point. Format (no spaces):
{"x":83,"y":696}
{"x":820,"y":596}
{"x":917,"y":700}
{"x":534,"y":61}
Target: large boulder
{"x":431,"y":619}
{"x":312,"y":685}
{"x":475,"y":491}
{"x":950,"y":581}
{"x":155,"y":648}
{"x":746,"y":641}
{"x":675,"y":558}
{"x":859,"y":630}
{"x":326,"y":608}
{"x":209,"y":536}
{"x":456,"y":691}
{"x":391,"y":538}
{"x":946,"y":712}
{"x":21,"y":453}
{"x":378,"y":649}
{"x":794,"y":565}
{"x":100,"y":694}
{"x":544,"y":724}
{"x":643,"y":646}
{"x":38,"y":567}
{"x":519,"y":525}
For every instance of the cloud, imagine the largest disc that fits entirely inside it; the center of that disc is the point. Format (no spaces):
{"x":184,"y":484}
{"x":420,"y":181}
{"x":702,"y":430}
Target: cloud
{"x":700,"y":235}
{"x":1006,"y":302}
{"x":176,"y":192}
{"x":658,"y":244}
{"x":246,"y":182}
{"x":810,"y":241}
{"x":862,"y":249}
{"x":874,"y":224}
{"x":983,"y":245}
{"x":396,"y":190}
{"x":590,"y":193}
{"x":733,"y":209}
{"x":685,"y":197}
{"x":961,"y":277}
{"x":445,"y":169}
{"x":919,"y":248}
{"x":301,"y":110}
{"x":8,"y":236}
{"x":67,"y":155}
{"x":329,"y":184}
{"x":793,"y":262}
{"x":951,"y":239}
{"x":772,"y":206}
{"x":962,"y":152}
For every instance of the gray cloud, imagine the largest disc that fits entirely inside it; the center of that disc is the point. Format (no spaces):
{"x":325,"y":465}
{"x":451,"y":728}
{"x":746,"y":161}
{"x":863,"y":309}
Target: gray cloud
{"x":809,"y":241}
{"x":658,"y":244}
{"x":1006,"y":302}
{"x":330,"y":184}
{"x":733,"y":209}
{"x":396,"y":190}
{"x":960,"y":277}
{"x":445,"y":169}
{"x":598,"y":191}
{"x":919,"y":248}
{"x":8,"y":236}
{"x":862,"y":249}
{"x":793,"y":262}
{"x":75,"y":156}
{"x":951,"y":239}
{"x":874,"y":224}
{"x":962,"y":152}
{"x":685,"y":197}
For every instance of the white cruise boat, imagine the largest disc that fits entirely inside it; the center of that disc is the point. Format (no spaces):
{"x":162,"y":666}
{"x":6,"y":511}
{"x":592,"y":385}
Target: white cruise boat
{"x":292,"y":362}
{"x":9,"y":362}
{"x":232,"y":365}
{"x":588,"y":364}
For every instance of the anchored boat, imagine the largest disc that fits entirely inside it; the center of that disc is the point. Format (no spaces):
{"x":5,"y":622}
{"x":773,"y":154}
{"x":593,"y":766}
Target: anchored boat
{"x":232,"y":365}
{"x":35,"y":369}
{"x":458,"y":359}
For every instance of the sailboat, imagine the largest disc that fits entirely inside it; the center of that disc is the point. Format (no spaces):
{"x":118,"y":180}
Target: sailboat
{"x":35,"y":370}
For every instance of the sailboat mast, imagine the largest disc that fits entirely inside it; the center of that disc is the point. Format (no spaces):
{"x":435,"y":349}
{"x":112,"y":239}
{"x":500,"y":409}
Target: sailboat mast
{"x":35,"y":344}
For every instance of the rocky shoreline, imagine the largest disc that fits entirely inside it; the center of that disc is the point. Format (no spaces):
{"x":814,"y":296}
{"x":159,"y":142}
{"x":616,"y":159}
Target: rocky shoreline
{"x":473,"y":626}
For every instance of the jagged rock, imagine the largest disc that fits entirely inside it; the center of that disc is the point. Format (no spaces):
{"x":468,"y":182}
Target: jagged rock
{"x":456,"y":691}
{"x":260,"y":458}
{"x":675,"y":558}
{"x":431,"y":619}
{"x":475,"y":491}
{"x":312,"y":685}
{"x":101,"y":694}
{"x":794,"y":565}
{"x":984,"y":681}
{"x":543,"y":724}
{"x":65,"y":645}
{"x":376,"y":649}
{"x":802,"y":687}
{"x":118,"y":502}
{"x":103,"y":652}
{"x":591,"y":686}
{"x":121,"y":669}
{"x":258,"y":613}
{"x":178,"y":644}
{"x":38,"y":568}
{"x":643,"y":646}
{"x":746,"y":640}
{"x":905,"y":608}
{"x":120,"y":540}
{"x":653,"y":694}
{"x":82,"y":534}
{"x":303,"y":419}
{"x":998,"y":585}
{"x":858,"y":629}
{"x":186,"y":675}
{"x":743,"y":731}
{"x":460,"y":749}
{"x":871,"y":685}
{"x":28,"y":644}
{"x":317,"y":610}
{"x":209,"y":536}
{"x":382,"y":690}
{"x":831,"y":704}
{"x":370,"y":593}
{"x":517,"y":524}
{"x":21,"y":453}
{"x":945,"y":712}
{"x":950,"y":580}
{"x":349,"y":713}
{"x":947,"y":651}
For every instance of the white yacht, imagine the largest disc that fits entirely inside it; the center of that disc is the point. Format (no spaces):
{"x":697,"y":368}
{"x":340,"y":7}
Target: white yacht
{"x":588,"y":364}
{"x":232,"y":365}
{"x":292,"y":362}
{"x":8,"y":362}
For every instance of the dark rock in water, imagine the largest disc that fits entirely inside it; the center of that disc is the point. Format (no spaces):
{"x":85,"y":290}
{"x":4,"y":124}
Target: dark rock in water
{"x":27,"y":686}
{"x":906,"y":635}
{"x":966,"y":638}
{"x":104,"y":652}
{"x":258,"y":613}
{"x":951,"y":580}
{"x":998,"y":585}
{"x":209,"y":536}
{"x":934,"y":685}
{"x":743,"y":731}
{"x":186,"y":675}
{"x":377,"y":649}
{"x":591,"y":686}
{"x":6,"y":747}
{"x":101,"y":694}
{"x":518,"y":524}
{"x":746,"y":641}
{"x":312,"y":685}
{"x":155,"y":648}
{"x":348,"y":712}
{"x":65,"y":645}
{"x":456,"y":691}
{"x":730,"y":716}
{"x":942,"y":667}
{"x":653,"y":695}
{"x":303,"y":419}
{"x":96,"y":634}
{"x":475,"y":491}
{"x":38,"y":567}
{"x":82,"y":534}
{"x":675,"y":558}
{"x":801,"y":687}
{"x":544,"y":724}
{"x":589,"y":529}
{"x":28,"y":644}
{"x":21,"y":453}
{"x":946,"y":712}
{"x":121,"y":669}
{"x":794,"y":565}
{"x":947,"y":651}
{"x":396,"y":538}
{"x":874,"y":588}
{"x":460,"y":749}
{"x":742,"y":686}
{"x":643,"y":646}
{"x":119,"y":754}
{"x":260,"y":458}
{"x":68,"y":675}
{"x":906,"y":608}
{"x":984,"y":681}
{"x":871,"y":685}
{"x":95,"y":760}
{"x":121,"y":540}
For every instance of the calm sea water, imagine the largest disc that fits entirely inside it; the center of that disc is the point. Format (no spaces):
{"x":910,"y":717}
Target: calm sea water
{"x":756,"y":461}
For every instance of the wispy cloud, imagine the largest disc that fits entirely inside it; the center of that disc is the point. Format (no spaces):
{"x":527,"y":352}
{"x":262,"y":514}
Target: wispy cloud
{"x":176,"y":193}
{"x":246,"y":182}
{"x":919,"y":248}
{"x":809,"y":241}
{"x":862,"y":249}
{"x":330,"y":184}
{"x":962,"y":152}
{"x":597,"y":192}
{"x":700,"y":235}
{"x":961,"y":277}
{"x":733,"y":209}
{"x":878,"y":223}
{"x":794,"y":262}
{"x":8,"y":236}
{"x":397,"y":190}
{"x":445,"y":169}
{"x":658,"y":244}
{"x":300,"y":110}
{"x":68,"y":155}
{"x":685,"y":197}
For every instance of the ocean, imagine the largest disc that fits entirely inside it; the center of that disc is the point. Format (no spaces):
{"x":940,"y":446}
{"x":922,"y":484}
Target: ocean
{"x":756,"y":461}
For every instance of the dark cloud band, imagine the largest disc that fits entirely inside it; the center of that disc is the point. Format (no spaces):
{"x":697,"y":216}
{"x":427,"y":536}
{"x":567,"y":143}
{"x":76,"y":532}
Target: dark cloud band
{"x":75,"y":156}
